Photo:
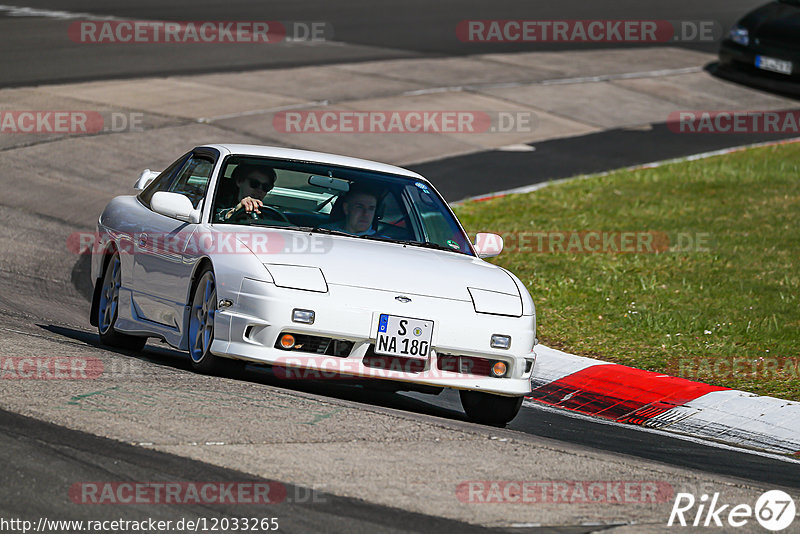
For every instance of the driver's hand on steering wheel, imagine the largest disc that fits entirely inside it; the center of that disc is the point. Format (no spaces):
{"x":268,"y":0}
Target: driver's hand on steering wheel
{"x":249,"y":204}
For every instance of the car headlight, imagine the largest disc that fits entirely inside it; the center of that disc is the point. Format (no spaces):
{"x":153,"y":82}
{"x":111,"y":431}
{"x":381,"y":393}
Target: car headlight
{"x":298,"y":277}
{"x":740,"y":35}
{"x":495,"y":303}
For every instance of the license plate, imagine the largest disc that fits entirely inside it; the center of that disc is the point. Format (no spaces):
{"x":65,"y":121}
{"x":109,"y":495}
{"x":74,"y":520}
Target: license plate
{"x":404,"y":336}
{"x":775,"y":65}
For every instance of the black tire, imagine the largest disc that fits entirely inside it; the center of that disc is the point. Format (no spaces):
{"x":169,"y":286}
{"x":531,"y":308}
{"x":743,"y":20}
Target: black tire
{"x":108,"y":309}
{"x":202,"y":310}
{"x":488,"y":409}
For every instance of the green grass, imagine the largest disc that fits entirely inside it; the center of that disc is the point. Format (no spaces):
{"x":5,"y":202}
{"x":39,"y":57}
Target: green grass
{"x":692,"y":313}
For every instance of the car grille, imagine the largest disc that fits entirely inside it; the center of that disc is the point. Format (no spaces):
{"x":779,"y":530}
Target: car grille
{"x":318,"y":345}
{"x":787,"y":44}
{"x":392,"y":363}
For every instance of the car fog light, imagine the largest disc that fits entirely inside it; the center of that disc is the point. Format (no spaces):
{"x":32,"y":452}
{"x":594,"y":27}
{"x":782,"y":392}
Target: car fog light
{"x":500,"y":342}
{"x":303,"y":316}
{"x":287,"y":341}
{"x":499,"y":369}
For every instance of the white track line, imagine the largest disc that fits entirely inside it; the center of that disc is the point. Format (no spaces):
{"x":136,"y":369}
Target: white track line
{"x":19,"y":11}
{"x":623,"y":76}
{"x":318,"y":103}
{"x":556,"y":81}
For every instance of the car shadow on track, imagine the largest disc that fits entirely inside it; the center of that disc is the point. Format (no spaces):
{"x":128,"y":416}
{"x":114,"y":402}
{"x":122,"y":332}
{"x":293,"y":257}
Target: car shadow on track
{"x":81,"y":276}
{"x":367,"y":392}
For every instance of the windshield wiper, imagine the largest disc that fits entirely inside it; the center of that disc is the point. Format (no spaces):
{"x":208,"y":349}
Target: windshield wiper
{"x":320,"y":230}
{"x":436,"y":246}
{"x":423,"y":244}
{"x":257,"y":225}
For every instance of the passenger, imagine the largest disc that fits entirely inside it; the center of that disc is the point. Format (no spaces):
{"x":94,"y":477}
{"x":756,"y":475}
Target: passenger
{"x":252,"y":183}
{"x":358,"y":206}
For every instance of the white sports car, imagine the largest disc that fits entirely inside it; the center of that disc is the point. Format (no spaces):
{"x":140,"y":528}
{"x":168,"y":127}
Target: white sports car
{"x":319,"y":265}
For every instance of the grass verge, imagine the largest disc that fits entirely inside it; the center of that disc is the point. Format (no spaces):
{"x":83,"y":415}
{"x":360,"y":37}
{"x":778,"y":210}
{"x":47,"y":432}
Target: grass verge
{"x":715,"y":296}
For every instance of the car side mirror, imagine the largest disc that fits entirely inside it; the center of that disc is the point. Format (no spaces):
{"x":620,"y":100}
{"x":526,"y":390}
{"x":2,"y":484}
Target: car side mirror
{"x":176,"y":206}
{"x":145,"y":178}
{"x":488,"y":245}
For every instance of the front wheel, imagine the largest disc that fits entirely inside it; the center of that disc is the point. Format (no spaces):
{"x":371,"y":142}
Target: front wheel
{"x":201,"y":328}
{"x":489,"y":409}
{"x":108,"y":310}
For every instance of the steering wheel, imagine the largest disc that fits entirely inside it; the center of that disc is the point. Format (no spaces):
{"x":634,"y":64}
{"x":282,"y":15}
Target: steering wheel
{"x":240,"y":212}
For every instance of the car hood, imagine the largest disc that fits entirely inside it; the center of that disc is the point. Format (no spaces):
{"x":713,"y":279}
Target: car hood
{"x":370,"y":264}
{"x":776,"y":23}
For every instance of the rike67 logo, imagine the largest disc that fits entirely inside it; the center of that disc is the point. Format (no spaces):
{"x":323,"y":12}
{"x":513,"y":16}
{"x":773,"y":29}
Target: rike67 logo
{"x":774,"y":510}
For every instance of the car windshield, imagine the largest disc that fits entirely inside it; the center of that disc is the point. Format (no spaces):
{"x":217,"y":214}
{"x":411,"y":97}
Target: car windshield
{"x":337,"y":200}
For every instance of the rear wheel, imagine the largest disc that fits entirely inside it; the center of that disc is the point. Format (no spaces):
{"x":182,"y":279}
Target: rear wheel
{"x":201,"y":328}
{"x":489,"y":409}
{"x":108,"y":309}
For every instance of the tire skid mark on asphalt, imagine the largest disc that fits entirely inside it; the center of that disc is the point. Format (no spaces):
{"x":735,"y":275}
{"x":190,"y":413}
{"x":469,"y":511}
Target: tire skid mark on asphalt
{"x":192,"y":403}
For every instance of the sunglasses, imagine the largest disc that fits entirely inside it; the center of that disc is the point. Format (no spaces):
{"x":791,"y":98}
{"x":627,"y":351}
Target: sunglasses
{"x":258,"y":184}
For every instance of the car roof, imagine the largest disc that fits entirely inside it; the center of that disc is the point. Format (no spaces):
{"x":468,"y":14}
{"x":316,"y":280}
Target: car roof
{"x":310,"y":156}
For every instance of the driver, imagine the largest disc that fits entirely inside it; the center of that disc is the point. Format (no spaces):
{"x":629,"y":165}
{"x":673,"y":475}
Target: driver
{"x":253,"y":182}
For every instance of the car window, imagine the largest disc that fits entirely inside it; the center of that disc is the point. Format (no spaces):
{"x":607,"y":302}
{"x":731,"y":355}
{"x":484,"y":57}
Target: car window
{"x":292,"y":191}
{"x":192,"y":181}
{"x":393,"y":218}
{"x":315,"y":197}
{"x":437,"y":226}
{"x":163,"y":180}
{"x":230,"y":191}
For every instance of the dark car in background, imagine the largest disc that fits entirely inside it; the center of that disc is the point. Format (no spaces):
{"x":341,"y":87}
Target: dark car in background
{"x":766,"y":41}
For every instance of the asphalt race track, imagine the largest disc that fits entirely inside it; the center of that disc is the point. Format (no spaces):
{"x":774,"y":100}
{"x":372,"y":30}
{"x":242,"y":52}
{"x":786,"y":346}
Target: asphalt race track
{"x":143,"y":423}
{"x":473,"y":175}
{"x":34,"y":52}
{"x":39,"y":456}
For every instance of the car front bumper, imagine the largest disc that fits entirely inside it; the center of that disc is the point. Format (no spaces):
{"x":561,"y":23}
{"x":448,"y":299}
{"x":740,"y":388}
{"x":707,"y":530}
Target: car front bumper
{"x":261,"y":312}
{"x":734,"y":55}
